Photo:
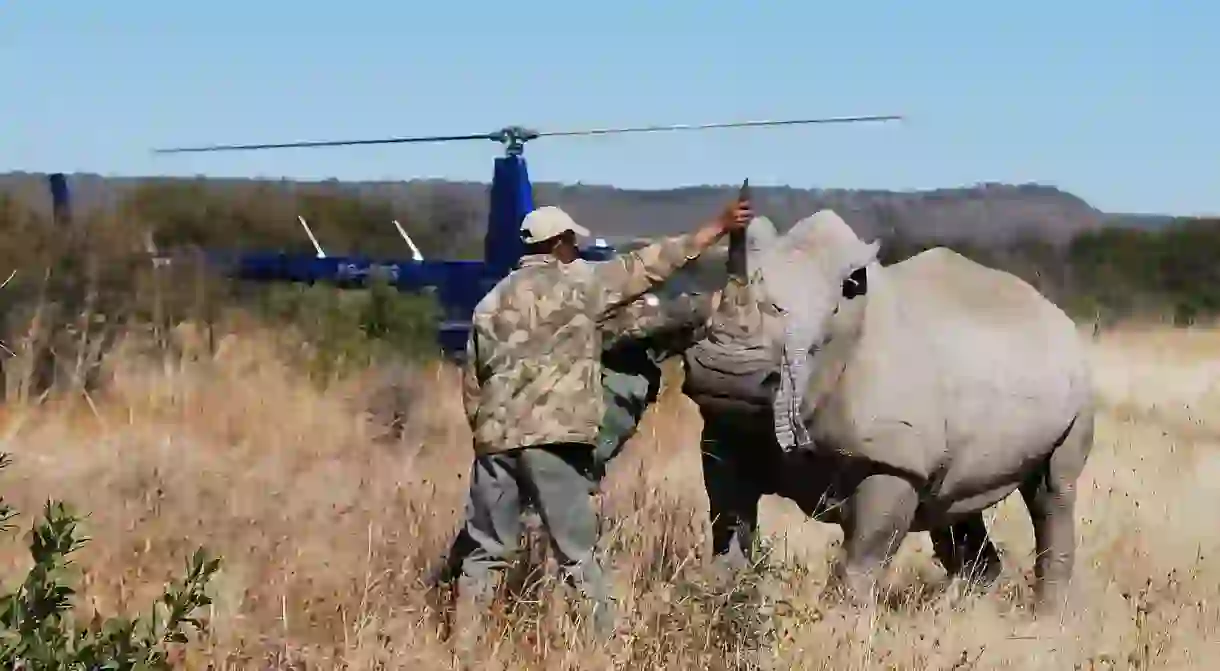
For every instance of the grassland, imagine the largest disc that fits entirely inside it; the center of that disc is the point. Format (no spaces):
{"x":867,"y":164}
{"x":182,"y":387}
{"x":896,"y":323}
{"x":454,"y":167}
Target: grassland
{"x":328,"y":527}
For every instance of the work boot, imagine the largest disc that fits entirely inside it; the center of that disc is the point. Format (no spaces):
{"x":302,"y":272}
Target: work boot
{"x":604,"y":620}
{"x":595,"y":615}
{"x":473,"y":603}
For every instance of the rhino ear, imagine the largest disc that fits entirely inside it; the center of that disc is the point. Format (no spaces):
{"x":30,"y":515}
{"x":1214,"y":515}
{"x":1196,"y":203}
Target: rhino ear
{"x":806,"y":228}
{"x":820,"y":229}
{"x":824,"y":235}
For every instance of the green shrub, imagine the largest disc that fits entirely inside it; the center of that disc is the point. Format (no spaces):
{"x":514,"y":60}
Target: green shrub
{"x":355,"y":327}
{"x":39,"y":630}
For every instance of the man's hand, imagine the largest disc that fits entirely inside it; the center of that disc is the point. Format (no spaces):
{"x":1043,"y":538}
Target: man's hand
{"x":736,"y":215}
{"x":642,"y":269}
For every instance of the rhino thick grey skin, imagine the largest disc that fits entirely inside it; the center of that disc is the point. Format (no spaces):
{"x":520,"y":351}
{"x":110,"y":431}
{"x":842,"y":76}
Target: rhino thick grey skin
{"x":894,"y":399}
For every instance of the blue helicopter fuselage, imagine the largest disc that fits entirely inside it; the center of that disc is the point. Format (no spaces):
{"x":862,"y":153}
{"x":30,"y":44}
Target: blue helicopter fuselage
{"x":457,"y":285}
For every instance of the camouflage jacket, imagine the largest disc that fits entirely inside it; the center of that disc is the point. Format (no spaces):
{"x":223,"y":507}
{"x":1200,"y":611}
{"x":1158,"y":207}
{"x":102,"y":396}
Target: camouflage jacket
{"x":533,"y":359}
{"x":663,"y":326}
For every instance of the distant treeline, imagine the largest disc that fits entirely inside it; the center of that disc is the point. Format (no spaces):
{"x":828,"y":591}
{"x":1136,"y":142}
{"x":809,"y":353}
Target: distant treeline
{"x":1169,"y":273}
{"x":1106,"y":273}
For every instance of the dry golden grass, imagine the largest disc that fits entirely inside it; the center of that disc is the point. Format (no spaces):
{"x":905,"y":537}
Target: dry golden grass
{"x":327,"y":532}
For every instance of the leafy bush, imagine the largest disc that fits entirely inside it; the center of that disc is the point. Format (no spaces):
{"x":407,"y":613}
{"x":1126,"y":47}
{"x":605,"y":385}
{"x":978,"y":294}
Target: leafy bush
{"x":354,"y":328}
{"x":39,"y":632}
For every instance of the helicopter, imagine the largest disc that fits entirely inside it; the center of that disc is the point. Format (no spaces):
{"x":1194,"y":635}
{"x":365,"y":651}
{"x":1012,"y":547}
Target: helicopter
{"x":458,"y":284}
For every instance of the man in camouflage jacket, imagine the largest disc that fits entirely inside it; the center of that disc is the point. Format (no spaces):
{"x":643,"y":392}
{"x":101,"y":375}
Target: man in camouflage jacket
{"x":533,"y":395}
{"x":637,"y":339}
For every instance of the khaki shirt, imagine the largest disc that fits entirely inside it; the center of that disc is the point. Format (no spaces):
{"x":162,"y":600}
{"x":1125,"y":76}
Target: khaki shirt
{"x":533,"y":364}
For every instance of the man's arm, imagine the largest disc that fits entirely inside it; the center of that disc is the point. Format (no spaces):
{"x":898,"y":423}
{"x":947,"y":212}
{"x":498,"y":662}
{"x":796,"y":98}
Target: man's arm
{"x":637,"y":319}
{"x":627,"y":276}
{"x":652,"y":316}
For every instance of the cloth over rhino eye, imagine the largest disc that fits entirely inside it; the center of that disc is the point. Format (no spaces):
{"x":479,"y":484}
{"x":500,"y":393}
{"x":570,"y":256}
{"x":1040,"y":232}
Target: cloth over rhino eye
{"x":856,"y":284}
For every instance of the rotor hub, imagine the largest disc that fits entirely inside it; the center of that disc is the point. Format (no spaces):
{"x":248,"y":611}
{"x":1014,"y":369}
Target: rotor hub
{"x":514,"y":138}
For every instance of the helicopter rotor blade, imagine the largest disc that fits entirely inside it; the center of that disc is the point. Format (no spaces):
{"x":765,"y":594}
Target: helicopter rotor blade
{"x":731,"y":124}
{"x":515,"y":134}
{"x":333,"y":143}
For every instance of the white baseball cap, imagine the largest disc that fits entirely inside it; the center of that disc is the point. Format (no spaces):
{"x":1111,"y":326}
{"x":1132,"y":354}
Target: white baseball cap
{"x":547,"y":222}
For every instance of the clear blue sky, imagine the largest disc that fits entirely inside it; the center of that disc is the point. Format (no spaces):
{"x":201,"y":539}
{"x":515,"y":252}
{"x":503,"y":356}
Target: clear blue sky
{"x":1114,"y":101}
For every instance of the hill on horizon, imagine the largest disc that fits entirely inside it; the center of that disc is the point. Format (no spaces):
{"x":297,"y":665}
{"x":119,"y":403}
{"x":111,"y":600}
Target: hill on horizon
{"x":987,"y":214}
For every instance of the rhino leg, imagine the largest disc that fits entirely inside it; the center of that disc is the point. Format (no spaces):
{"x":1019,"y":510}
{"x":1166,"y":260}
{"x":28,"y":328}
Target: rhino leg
{"x":966,"y":550}
{"x":736,"y":473}
{"x":733,"y":507}
{"x":1050,"y":496}
{"x":879,"y":516}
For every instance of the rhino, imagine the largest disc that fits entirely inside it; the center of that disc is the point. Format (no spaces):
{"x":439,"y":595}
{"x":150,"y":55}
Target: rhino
{"x":884,"y":399}
{"x":889,"y":399}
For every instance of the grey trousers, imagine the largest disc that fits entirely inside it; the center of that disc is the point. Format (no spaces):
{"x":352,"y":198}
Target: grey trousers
{"x":626,"y":397}
{"x":558,"y":480}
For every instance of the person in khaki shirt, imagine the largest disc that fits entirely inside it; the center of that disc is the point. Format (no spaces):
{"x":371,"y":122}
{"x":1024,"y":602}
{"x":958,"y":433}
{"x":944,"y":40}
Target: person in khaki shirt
{"x":534,"y":397}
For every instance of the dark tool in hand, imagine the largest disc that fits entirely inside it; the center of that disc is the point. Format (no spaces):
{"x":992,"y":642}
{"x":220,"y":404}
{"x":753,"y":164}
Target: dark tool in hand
{"x":737,"y":241}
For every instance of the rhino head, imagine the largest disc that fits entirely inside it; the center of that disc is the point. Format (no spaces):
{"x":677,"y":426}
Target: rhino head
{"x":730,"y":366}
{"x":806,"y":278}
{"x":687,"y":316}
{"x":746,"y":343}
